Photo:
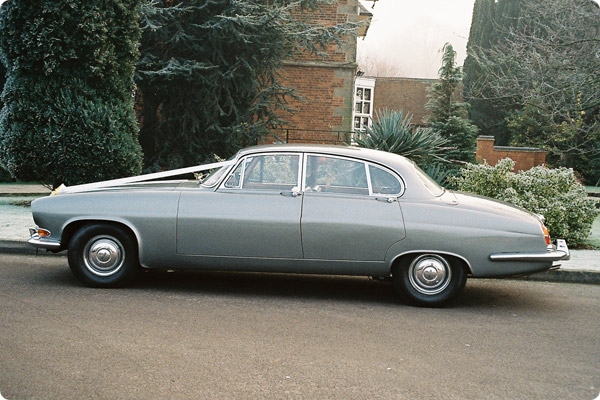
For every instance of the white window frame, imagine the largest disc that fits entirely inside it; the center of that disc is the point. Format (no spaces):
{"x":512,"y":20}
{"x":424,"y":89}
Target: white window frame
{"x":368,"y":173}
{"x":364,"y":84}
{"x":243,"y":173}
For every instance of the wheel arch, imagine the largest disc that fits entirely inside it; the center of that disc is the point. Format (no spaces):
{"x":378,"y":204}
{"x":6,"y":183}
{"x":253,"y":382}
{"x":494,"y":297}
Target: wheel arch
{"x":74,"y":225}
{"x":413,"y":253}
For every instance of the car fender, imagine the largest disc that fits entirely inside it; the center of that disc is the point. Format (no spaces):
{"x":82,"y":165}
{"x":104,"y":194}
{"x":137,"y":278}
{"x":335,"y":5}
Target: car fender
{"x":89,"y":219}
{"x":392,"y":259}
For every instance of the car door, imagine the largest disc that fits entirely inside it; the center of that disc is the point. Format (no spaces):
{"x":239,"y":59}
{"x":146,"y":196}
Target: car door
{"x":254,"y":213}
{"x":350,"y":211}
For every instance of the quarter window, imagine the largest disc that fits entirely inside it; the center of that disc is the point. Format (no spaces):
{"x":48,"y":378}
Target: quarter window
{"x":383,"y":182}
{"x":235,"y":178}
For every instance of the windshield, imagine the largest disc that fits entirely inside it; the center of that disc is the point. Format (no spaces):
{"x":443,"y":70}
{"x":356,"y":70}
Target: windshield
{"x":429,"y":183}
{"x":215,"y":175}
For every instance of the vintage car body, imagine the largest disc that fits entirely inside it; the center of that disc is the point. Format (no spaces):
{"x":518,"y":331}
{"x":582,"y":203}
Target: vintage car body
{"x":244,"y":220}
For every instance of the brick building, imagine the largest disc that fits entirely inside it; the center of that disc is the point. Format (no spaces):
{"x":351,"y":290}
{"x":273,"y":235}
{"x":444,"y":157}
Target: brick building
{"x":325,"y":84}
{"x":406,"y":94}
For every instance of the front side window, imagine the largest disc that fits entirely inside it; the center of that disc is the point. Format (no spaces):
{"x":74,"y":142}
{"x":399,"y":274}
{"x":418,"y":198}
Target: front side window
{"x":335,"y":175}
{"x":265,"y":172}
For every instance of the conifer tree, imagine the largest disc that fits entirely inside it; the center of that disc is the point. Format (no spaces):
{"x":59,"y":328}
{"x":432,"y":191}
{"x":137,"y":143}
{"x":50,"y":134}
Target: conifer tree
{"x":491,"y":21}
{"x":209,"y":73}
{"x":68,"y":107}
{"x":448,"y":115}
{"x":4,"y":174}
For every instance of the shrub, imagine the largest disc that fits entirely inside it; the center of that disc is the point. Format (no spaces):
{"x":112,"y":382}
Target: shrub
{"x":554,"y":193}
{"x":393,"y":132}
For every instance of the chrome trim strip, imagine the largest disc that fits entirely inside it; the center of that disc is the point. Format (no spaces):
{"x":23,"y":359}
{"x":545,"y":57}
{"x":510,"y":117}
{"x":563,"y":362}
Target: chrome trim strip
{"x":35,"y":241}
{"x":561,"y":252}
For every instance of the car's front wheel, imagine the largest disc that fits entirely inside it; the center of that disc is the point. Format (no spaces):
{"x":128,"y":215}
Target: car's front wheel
{"x":428,"y":279}
{"x":103,"y":255}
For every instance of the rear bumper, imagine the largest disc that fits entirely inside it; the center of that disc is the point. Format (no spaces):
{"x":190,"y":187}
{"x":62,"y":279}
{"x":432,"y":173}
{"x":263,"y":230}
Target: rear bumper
{"x":555,"y":253}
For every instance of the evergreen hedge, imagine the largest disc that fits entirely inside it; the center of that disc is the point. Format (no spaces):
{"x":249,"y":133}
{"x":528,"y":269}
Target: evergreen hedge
{"x":68,"y":113}
{"x":554,"y":193}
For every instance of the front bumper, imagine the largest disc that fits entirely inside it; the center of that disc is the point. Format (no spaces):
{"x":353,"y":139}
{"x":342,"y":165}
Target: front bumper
{"x":554,"y":253}
{"x":42,"y":243}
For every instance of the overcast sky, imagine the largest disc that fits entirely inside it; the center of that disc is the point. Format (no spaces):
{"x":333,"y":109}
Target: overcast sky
{"x":409,"y":34}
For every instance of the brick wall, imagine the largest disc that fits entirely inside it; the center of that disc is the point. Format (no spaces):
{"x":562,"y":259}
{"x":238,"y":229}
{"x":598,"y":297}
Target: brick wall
{"x":406,"y":94}
{"x":524,"y":157}
{"x":324,"y":83}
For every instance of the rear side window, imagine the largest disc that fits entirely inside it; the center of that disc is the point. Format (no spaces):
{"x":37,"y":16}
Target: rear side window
{"x":335,"y":175}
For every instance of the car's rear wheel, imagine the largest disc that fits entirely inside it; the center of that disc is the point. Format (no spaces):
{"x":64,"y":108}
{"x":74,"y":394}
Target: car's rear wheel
{"x":103,"y":255}
{"x":429,"y":279}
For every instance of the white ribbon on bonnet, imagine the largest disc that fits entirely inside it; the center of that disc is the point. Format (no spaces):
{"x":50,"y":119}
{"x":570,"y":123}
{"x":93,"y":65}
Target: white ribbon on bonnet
{"x":139,"y":178}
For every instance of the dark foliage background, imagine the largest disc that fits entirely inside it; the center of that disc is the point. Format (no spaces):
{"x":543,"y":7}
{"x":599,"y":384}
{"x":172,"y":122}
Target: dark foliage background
{"x":208,"y":76}
{"x":492,"y":19}
{"x":68,"y":106}
{"x":532,"y":77}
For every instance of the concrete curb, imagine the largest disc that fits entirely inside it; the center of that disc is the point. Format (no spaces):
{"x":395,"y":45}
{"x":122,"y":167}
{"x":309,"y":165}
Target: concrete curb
{"x":24,"y":194}
{"x":566,"y":276}
{"x":22,"y":247}
{"x":559,"y":275}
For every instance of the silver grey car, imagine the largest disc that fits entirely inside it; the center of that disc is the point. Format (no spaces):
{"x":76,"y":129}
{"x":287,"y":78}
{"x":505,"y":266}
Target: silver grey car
{"x":308,"y":209}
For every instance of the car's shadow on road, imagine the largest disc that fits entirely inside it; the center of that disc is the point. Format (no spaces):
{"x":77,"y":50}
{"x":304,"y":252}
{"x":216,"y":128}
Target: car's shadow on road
{"x":478,"y":293}
{"x":340,"y":288}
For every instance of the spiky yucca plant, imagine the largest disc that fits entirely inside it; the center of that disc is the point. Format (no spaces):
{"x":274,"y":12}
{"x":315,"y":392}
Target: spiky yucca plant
{"x":393,"y":132}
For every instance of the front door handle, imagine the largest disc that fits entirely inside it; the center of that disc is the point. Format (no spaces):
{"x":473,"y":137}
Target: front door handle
{"x":291,"y":193}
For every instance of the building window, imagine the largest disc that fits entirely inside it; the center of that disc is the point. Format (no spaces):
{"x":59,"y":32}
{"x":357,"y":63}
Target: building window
{"x":362,"y":112}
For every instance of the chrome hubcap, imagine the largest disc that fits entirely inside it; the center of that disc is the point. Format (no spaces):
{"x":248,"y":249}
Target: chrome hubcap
{"x":103,"y":255}
{"x":429,"y":274}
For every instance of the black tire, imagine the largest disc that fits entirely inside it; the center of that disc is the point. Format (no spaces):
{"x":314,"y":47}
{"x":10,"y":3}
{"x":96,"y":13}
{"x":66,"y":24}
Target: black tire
{"x":103,"y":255}
{"x":429,"y":280}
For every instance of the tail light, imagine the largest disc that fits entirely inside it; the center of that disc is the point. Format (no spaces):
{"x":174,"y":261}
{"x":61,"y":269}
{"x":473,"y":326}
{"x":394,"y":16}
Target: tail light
{"x":546,"y":235}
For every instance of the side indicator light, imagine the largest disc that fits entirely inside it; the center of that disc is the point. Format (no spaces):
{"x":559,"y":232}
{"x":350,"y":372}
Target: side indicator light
{"x":43,"y":232}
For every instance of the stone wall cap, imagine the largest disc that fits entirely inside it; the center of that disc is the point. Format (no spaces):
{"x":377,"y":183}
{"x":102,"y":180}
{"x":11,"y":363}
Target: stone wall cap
{"x":405,"y":79}
{"x":526,"y":149}
{"x":484,"y":137}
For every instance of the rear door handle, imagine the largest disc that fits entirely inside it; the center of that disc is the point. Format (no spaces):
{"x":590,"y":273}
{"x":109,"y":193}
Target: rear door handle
{"x":386,"y":199}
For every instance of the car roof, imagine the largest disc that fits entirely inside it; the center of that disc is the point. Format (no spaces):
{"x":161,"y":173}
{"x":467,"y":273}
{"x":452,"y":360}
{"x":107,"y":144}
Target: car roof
{"x":377,"y":156}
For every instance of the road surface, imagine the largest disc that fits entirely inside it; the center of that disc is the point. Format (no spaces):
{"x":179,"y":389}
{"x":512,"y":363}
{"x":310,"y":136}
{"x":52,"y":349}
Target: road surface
{"x":232,"y":335}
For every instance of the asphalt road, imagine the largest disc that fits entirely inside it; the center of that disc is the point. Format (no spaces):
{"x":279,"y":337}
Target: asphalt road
{"x":225,"y":335}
